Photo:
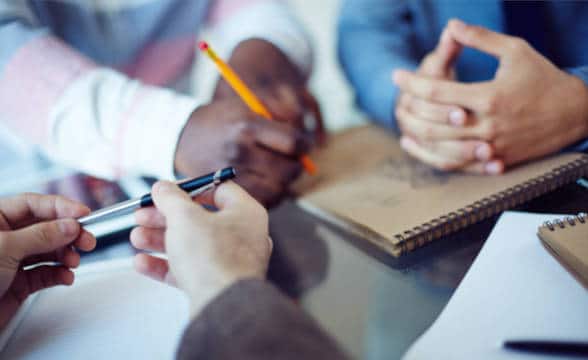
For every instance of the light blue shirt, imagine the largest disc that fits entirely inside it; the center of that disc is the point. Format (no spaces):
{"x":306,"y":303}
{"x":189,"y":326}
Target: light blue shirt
{"x":379,"y":36}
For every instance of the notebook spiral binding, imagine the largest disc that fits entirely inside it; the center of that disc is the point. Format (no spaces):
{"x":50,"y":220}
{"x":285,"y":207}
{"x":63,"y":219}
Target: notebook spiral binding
{"x":568,"y":220}
{"x":492,"y":205}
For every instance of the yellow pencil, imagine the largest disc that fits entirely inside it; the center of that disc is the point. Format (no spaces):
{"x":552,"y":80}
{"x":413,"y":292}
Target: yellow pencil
{"x":248,"y":96}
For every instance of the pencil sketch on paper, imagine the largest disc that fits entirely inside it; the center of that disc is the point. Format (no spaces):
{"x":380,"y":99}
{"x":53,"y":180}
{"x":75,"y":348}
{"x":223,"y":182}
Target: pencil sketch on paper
{"x":406,"y":169}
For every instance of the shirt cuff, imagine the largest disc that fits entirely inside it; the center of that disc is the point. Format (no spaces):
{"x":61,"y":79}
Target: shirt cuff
{"x":158,"y":119}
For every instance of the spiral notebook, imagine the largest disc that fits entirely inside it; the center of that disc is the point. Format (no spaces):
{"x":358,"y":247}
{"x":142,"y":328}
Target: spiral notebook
{"x":567,"y":240}
{"x":368,"y":185}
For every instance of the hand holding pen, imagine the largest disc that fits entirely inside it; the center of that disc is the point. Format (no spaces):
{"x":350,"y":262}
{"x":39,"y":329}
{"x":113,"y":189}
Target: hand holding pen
{"x":193,"y":187}
{"x":207,"y":251}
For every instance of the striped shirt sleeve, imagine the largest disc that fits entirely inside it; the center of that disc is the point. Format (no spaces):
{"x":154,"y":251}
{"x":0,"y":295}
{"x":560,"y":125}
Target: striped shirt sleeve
{"x":86,"y":116}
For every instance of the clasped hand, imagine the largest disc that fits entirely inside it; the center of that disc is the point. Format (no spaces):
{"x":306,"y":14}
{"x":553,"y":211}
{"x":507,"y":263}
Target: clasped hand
{"x":530,"y":109}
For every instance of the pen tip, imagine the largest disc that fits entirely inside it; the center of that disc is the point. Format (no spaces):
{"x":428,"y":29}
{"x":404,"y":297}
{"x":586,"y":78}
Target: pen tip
{"x":203,"y":45}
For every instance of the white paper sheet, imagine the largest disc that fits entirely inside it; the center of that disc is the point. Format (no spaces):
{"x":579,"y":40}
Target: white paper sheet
{"x":514,"y":290}
{"x":111,"y":312}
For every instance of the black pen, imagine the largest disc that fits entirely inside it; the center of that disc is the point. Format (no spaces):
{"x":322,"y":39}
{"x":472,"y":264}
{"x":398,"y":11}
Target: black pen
{"x":193,"y":186}
{"x":549,"y":347}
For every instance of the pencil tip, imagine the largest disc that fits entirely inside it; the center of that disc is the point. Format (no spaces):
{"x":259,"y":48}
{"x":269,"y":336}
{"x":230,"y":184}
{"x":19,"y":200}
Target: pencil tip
{"x":203,"y":45}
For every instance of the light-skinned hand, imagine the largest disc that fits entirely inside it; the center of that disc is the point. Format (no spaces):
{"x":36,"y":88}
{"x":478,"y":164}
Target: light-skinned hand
{"x":36,"y":229}
{"x":530,"y":109}
{"x":415,"y":115}
{"x":207,"y":251}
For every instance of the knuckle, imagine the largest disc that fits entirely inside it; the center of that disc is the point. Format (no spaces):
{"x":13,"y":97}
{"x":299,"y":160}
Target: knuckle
{"x":467,"y":152}
{"x":43,"y":234}
{"x":490,"y":131}
{"x":431,"y":91}
{"x":491,"y":104}
{"x":406,"y":101}
{"x":428,"y":133}
{"x":517,"y":44}
{"x":473,"y":32}
{"x":243,"y":130}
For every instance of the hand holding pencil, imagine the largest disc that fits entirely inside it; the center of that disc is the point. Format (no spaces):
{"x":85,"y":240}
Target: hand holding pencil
{"x":248,"y":96}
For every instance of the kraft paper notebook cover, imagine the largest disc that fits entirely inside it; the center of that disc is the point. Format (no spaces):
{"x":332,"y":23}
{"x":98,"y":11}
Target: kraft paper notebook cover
{"x":368,"y":185}
{"x":567,"y":240}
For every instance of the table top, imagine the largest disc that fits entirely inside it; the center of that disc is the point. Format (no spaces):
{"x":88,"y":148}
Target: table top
{"x":374,"y":305}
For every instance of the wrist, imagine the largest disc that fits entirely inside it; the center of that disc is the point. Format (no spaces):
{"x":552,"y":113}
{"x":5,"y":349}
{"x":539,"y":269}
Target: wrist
{"x":583,"y":113}
{"x":203,"y":294}
{"x":568,"y":112}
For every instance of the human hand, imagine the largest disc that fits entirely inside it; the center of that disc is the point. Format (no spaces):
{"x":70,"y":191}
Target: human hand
{"x":206,"y":251}
{"x":530,"y":109}
{"x":415,"y":115}
{"x":265,"y":153}
{"x":36,"y":229}
{"x":277,"y":82}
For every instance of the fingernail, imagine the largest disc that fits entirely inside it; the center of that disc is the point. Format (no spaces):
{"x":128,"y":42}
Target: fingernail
{"x":457,"y":117}
{"x":68,"y":227}
{"x":405,"y":142}
{"x":483,"y":152}
{"x":494,"y":168}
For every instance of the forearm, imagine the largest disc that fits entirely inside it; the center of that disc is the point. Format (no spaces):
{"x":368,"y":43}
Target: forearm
{"x":374,"y":40}
{"x":252,"y":320}
{"x":233,"y":21}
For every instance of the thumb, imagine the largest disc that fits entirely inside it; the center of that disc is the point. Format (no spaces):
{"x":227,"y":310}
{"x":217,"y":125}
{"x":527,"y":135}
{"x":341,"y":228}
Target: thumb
{"x":40,"y":238}
{"x":170,"y":199}
{"x":480,"y":38}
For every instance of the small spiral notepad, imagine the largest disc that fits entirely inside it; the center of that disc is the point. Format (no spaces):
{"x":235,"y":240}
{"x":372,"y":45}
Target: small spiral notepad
{"x":370,"y":186}
{"x":567,"y":239}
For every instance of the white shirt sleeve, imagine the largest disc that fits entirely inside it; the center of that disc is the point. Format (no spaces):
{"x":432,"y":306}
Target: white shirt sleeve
{"x":109,"y":125}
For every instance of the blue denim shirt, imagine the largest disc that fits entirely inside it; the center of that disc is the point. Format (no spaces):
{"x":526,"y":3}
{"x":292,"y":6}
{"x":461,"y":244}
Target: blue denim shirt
{"x":378,"y":36}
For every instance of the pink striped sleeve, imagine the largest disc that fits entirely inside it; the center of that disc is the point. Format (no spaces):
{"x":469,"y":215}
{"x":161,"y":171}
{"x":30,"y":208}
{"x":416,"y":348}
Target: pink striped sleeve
{"x":33,"y":80}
